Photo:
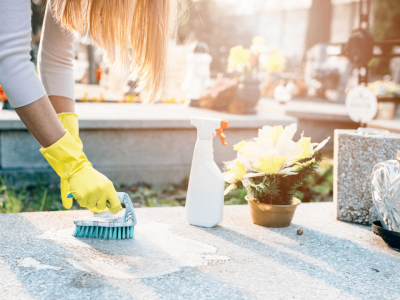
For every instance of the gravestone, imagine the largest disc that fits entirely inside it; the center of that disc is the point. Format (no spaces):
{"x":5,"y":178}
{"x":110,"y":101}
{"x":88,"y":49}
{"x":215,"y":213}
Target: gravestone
{"x":131,"y":142}
{"x":355,"y":155}
{"x":395,"y":67}
{"x":361,"y":104}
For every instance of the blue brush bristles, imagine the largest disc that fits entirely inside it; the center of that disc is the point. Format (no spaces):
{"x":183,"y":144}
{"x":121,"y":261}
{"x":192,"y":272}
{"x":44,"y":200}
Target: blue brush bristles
{"x":100,"y":232}
{"x":107,"y":226}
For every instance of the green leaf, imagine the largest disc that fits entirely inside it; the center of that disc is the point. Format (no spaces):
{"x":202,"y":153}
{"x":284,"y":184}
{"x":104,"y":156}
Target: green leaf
{"x":43,"y":200}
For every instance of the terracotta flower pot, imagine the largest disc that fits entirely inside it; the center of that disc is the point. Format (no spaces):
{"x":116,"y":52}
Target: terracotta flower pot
{"x":270,"y":215}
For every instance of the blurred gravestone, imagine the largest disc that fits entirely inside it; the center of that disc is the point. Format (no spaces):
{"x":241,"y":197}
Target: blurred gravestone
{"x":361,"y":104}
{"x":395,"y":67}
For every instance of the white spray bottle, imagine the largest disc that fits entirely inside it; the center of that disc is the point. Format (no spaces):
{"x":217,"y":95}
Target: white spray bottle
{"x":205,"y":196}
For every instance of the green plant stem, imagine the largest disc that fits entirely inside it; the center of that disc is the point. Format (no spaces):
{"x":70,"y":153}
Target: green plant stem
{"x":43,"y":200}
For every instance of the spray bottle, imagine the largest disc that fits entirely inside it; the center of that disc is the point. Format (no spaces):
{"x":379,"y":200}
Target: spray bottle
{"x":205,"y":196}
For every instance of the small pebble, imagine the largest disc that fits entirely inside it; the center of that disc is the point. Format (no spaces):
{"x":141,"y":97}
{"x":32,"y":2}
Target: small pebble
{"x":376,"y":270}
{"x":299,"y":232}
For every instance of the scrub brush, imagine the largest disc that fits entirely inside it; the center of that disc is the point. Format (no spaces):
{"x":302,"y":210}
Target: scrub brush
{"x":107,"y":225}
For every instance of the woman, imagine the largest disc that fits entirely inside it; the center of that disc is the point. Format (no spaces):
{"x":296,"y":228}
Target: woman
{"x":134,"y":36}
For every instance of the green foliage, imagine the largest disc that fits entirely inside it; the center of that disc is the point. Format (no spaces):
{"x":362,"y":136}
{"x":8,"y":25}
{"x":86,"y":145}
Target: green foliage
{"x":43,"y":196}
{"x":11,"y":201}
{"x":236,"y":197}
{"x":169,"y":202}
{"x":386,"y":26}
{"x":146,"y":195}
{"x":318,"y":187}
{"x":279,"y":189}
{"x":43,"y":200}
{"x":386,"y":20}
{"x":40,"y":196}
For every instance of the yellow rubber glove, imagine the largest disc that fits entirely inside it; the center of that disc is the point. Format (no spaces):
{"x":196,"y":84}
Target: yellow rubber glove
{"x":70,"y":122}
{"x":89,"y":187}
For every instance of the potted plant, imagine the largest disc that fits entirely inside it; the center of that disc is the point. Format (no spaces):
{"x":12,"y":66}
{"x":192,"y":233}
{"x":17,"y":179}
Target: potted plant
{"x":271,"y":168}
{"x":246,"y":62}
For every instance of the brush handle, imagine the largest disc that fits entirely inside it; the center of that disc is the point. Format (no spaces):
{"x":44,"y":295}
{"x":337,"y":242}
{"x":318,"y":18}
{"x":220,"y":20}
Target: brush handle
{"x":128,"y":218}
{"x":123,"y":197}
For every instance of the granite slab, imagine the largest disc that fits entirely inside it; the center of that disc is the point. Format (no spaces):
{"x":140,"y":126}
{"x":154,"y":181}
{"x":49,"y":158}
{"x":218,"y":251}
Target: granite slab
{"x":140,"y":116}
{"x":170,"y":259}
{"x":355,"y":156}
{"x":307,"y":109}
{"x":132,"y":143}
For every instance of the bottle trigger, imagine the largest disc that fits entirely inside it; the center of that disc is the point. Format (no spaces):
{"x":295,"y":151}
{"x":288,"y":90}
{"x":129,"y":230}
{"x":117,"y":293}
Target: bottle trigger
{"x":222,"y":137}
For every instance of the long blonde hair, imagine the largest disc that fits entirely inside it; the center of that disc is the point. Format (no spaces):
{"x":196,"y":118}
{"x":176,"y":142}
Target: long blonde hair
{"x":116,"y":26}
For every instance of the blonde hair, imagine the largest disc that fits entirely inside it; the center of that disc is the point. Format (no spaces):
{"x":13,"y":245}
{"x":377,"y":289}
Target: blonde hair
{"x":116,"y":26}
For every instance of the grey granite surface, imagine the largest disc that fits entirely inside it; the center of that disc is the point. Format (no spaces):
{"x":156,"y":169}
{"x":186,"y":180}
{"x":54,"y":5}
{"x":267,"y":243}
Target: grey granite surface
{"x":355,"y":156}
{"x":170,"y":259}
{"x":305,"y":109}
{"x":132,"y":143}
{"x":139,"y":116}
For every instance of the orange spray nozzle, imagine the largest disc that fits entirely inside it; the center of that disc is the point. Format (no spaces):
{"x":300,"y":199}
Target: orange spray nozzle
{"x":222,"y":137}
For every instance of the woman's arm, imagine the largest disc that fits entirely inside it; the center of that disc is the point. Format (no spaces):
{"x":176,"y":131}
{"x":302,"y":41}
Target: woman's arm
{"x":17,"y":74}
{"x":55,"y":63}
{"x":26,"y":94}
{"x":18,"y":77}
{"x":42,"y":122}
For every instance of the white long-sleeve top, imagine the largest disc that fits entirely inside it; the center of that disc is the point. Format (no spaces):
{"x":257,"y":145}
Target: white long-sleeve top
{"x":55,"y":61}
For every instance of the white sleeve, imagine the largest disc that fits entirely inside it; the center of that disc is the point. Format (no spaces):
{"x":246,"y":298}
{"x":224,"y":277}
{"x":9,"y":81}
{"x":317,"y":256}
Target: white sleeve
{"x":55,"y":59}
{"x":17,"y":74}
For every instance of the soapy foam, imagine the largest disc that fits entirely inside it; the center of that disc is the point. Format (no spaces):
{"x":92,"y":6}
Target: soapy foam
{"x":30,"y":262}
{"x":154,"y":251}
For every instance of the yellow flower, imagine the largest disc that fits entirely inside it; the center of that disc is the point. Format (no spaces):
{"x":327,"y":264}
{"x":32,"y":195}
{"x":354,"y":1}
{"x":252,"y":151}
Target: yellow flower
{"x":235,"y":174}
{"x":270,"y":138}
{"x":276,"y":133}
{"x":275,"y":62}
{"x":249,"y":150}
{"x":239,"y":146}
{"x":238,"y":55}
{"x":258,"y":40}
{"x":302,"y":149}
{"x":285,"y":143}
{"x":246,"y":149}
{"x":321,"y":145}
{"x":271,"y":163}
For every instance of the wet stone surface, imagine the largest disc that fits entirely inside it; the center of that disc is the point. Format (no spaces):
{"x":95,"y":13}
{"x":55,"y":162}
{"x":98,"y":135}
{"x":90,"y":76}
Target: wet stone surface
{"x":170,"y":259}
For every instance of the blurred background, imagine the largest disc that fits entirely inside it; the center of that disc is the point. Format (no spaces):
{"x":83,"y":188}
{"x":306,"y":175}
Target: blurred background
{"x":298,"y":44}
{"x":253,"y":62}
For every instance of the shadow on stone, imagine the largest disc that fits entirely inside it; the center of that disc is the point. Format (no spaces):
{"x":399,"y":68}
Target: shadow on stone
{"x":337,"y":262}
